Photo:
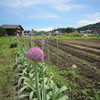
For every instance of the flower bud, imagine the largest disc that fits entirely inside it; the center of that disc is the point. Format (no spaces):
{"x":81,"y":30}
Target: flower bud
{"x":35,"y":54}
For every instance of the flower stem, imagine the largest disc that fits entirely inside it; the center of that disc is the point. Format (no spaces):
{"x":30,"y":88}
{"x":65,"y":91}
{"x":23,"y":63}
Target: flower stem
{"x":57,"y":51}
{"x":48,"y":51}
{"x":43,"y":94}
{"x":37,"y":82}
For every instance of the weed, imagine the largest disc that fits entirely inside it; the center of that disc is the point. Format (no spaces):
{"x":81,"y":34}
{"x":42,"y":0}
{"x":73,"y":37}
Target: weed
{"x":6,"y":61}
{"x":13,"y":45}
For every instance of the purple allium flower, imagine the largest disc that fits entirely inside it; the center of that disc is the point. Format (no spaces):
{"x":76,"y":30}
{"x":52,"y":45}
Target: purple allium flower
{"x":35,"y":54}
{"x":42,"y":41}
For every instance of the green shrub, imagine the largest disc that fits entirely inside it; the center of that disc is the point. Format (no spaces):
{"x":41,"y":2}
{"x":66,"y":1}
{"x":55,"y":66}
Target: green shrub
{"x":2,"y":32}
{"x":13,"y":45}
{"x":73,"y":34}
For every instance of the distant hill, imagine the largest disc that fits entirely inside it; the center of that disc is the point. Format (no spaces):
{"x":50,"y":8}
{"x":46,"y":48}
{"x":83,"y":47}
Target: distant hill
{"x":89,"y":27}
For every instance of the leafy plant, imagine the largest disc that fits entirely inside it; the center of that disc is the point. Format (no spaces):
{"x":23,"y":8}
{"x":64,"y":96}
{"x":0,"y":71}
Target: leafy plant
{"x":73,"y":73}
{"x":2,"y":31}
{"x":13,"y":45}
{"x":73,"y":34}
{"x":35,"y":81}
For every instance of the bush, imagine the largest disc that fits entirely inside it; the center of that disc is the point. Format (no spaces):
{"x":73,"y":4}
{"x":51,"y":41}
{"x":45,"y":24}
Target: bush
{"x":2,"y":32}
{"x":73,"y":34}
{"x":13,"y":45}
{"x":6,"y":35}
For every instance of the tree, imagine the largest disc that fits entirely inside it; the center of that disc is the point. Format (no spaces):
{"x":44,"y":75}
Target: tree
{"x":65,"y":30}
{"x":70,"y":29}
{"x":2,"y":31}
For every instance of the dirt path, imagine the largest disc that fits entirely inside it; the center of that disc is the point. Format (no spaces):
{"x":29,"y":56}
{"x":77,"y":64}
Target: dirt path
{"x":78,"y":53}
{"x":70,"y":54}
{"x":67,"y":60}
{"x":83,"y":42}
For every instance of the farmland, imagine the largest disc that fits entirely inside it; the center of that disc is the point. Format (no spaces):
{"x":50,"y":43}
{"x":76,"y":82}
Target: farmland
{"x":83,"y":53}
{"x":82,"y":80}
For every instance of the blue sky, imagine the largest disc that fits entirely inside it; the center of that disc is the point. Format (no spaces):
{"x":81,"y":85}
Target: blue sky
{"x":49,"y":14}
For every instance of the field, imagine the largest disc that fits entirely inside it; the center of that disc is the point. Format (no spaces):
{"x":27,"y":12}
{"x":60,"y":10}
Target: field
{"x":75,"y":63}
{"x":85,"y":54}
{"x":6,"y":72}
{"x":69,"y":37}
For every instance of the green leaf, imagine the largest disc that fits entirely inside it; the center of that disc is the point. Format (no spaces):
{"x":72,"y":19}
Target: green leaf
{"x":35,"y":99}
{"x":48,"y":97}
{"x":31,"y":86}
{"x":45,"y":80}
{"x":31,"y":75}
{"x":63,"y":88}
{"x":23,"y":95}
{"x":22,"y":89}
{"x":21,"y":78}
{"x":63,"y":97}
{"x":31,"y":95}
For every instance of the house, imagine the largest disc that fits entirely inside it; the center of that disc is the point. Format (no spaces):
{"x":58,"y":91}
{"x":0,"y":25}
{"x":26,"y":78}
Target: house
{"x":86,"y":32}
{"x":13,"y":30}
{"x":96,"y":31}
{"x":82,"y":32}
{"x":27,"y":32}
{"x":55,"y":33}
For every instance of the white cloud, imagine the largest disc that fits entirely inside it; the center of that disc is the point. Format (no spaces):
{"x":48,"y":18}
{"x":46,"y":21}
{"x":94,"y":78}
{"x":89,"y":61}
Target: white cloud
{"x":28,"y":2}
{"x":83,"y":22}
{"x":60,"y":5}
{"x":93,"y":16}
{"x":66,"y":7}
{"x":45,"y":29}
{"x":90,"y":19}
{"x":86,"y":22}
{"x":56,"y":1}
{"x":18,"y":3}
{"x":50,"y":16}
{"x":9,"y":3}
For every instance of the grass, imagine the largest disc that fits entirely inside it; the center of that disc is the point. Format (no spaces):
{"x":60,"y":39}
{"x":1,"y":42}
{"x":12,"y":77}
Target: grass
{"x":68,"y":78}
{"x":6,"y":63}
{"x":6,"y":72}
{"x":81,"y":37}
{"x":66,"y":37}
{"x":61,"y":79}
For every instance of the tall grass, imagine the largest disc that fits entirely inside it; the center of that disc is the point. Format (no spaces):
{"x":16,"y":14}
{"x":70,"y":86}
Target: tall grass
{"x":6,"y":72}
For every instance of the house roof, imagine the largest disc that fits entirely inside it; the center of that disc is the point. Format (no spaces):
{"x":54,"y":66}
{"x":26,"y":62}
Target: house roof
{"x":11,"y":26}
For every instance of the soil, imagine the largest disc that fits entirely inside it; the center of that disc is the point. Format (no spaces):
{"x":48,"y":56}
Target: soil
{"x":79,"y":52}
{"x":2,"y":56}
{"x":83,"y":53}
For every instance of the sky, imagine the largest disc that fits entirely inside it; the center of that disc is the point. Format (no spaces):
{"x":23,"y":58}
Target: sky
{"x":49,"y":14}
